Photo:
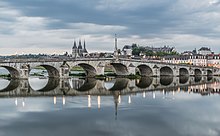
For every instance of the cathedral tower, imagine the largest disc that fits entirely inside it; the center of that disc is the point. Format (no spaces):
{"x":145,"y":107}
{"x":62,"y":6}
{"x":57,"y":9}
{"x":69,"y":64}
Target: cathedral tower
{"x":74,"y":50}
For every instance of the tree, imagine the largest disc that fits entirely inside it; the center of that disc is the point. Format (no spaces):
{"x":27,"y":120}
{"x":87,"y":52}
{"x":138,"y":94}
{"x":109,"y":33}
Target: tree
{"x":149,"y":53}
{"x":136,"y":51}
{"x":134,"y":45}
{"x":174,"y":53}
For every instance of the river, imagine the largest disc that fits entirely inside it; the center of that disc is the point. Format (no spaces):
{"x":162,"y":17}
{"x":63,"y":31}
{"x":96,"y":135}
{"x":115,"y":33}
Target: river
{"x":112,"y":107}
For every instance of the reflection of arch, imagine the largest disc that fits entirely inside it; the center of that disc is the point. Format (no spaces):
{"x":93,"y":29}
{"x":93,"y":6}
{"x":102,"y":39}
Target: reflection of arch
{"x":51,"y":85}
{"x":145,"y":70}
{"x":166,"y":71}
{"x":120,"y":69}
{"x":209,"y":72}
{"x":209,"y":78}
{"x":164,"y":80}
{"x":88,"y":84}
{"x":198,"y":72}
{"x":183,"y":72}
{"x":183,"y":79}
{"x":90,"y":70}
{"x":52,"y":71}
{"x":13,"y":71}
{"x":13,"y":84}
{"x":198,"y":78}
{"x":144,"y":82}
{"x":120,"y":84}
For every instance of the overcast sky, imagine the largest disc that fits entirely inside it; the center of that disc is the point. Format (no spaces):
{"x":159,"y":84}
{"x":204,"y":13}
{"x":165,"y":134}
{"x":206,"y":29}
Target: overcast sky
{"x":50,"y":26}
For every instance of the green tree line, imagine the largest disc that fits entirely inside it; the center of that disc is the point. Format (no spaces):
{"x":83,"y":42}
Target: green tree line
{"x":137,"y":50}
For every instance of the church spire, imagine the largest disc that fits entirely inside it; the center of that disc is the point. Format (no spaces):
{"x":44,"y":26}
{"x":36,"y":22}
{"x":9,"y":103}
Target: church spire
{"x":74,"y":49}
{"x":84,"y":45}
{"x":74,"y":44}
{"x":80,"y":44}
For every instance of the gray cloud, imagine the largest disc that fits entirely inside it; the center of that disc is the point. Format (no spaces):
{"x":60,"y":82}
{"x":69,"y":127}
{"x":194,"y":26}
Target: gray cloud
{"x":148,"y":20}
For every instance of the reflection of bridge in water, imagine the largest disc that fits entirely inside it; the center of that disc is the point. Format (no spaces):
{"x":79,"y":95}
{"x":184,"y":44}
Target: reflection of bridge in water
{"x":91,"y":86}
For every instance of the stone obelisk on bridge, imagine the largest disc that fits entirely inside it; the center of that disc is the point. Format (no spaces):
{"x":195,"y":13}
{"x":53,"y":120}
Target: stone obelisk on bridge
{"x":116,"y":49}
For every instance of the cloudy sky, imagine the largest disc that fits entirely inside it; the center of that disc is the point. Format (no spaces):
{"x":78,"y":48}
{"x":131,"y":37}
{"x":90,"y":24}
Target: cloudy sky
{"x":50,"y":26}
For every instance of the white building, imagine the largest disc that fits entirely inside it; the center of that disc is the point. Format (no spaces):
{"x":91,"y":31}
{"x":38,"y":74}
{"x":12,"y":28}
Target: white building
{"x":214,"y":60}
{"x":127,"y":50}
{"x":196,"y":59}
{"x":204,"y":51}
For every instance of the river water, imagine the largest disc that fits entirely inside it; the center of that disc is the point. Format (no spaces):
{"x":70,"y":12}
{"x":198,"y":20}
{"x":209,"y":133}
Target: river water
{"x":113,"y":107}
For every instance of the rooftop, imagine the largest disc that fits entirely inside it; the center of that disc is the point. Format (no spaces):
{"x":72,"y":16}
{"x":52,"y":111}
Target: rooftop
{"x":204,"y":49}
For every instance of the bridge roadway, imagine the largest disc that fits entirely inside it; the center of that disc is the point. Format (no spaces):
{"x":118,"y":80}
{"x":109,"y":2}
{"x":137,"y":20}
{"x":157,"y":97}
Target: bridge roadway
{"x":91,"y":86}
{"x":20,"y":68}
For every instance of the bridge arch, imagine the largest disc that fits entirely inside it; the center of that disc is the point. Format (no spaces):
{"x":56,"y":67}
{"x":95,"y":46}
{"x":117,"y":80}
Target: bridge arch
{"x":183,"y":72}
{"x":166,"y":81}
{"x":166,"y":71}
{"x":14,"y":73}
{"x":47,"y":84}
{"x":90,"y":71}
{"x":120,"y":69}
{"x":209,"y":72}
{"x":198,"y":72}
{"x":10,"y":86}
{"x":197,"y":79}
{"x":87,"y":85}
{"x":145,"y":70}
{"x":144,"y":82}
{"x":183,"y":79}
{"x":209,"y":78}
{"x":52,"y":71}
{"x":119,"y":84}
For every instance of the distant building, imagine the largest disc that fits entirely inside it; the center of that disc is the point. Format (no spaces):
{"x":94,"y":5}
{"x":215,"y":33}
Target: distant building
{"x":100,"y":55}
{"x":79,"y":51}
{"x":214,"y":60}
{"x":189,"y":52}
{"x":195,"y":59}
{"x":198,"y":60}
{"x":177,"y":59}
{"x":165,"y":49}
{"x":204,"y":51}
{"x":127,"y":50}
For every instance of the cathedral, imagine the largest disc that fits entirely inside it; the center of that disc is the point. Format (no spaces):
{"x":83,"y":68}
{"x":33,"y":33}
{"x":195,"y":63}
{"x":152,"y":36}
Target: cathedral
{"x":79,"y":51}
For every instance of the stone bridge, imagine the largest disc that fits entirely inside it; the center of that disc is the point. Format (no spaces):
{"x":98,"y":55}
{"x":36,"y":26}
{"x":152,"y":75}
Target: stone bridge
{"x":61,"y":68}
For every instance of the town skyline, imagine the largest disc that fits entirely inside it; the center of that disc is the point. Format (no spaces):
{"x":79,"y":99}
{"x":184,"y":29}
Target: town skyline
{"x":49,"y":26}
{"x":83,"y":45}
{"x":70,"y":51}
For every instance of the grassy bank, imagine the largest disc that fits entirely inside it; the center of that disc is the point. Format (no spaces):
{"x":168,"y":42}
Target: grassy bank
{"x":5,"y":75}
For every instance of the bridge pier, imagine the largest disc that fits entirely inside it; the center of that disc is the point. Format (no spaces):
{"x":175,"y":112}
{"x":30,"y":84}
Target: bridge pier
{"x":175,"y":71}
{"x":64,"y":86}
{"x":131,"y":70}
{"x":191,"y":71}
{"x":204,"y":72}
{"x":156,"y":71}
{"x":155,"y":82}
{"x":24,"y":72}
{"x":64,"y":72}
{"x":24,"y":86}
{"x":100,"y":70}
